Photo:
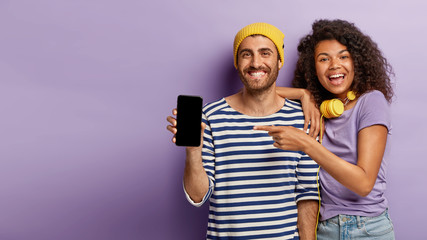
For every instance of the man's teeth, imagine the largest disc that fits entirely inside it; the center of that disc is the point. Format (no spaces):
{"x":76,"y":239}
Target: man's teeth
{"x":257,"y":74}
{"x":336,"y":75}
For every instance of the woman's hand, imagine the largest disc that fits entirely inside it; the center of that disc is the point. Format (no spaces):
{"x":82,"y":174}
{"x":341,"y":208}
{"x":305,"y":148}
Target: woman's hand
{"x":287,"y":137}
{"x":311,"y":112}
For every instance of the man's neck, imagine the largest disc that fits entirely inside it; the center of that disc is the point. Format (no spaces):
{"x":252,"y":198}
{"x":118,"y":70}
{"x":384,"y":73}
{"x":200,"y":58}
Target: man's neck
{"x":256,"y":104}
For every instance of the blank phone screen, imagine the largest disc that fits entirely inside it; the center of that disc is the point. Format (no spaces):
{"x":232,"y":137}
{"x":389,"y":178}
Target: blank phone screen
{"x":189,"y":119}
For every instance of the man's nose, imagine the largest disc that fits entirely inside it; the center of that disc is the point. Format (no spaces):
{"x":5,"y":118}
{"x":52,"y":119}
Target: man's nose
{"x":256,"y":61}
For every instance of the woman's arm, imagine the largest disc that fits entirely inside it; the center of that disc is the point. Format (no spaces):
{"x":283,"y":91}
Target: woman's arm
{"x":359,"y":178}
{"x":311,"y":112}
{"x":292,"y":93}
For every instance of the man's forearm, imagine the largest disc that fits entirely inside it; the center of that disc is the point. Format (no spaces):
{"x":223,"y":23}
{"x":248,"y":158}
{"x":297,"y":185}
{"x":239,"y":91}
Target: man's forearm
{"x":196,"y":182}
{"x":307,"y":219}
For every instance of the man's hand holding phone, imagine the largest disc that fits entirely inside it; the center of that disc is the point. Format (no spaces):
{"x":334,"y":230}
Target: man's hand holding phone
{"x":173,"y":130}
{"x":187,"y":127}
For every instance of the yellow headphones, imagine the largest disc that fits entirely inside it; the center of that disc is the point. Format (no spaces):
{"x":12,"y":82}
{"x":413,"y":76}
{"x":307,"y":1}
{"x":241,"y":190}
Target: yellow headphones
{"x":334,"y":107}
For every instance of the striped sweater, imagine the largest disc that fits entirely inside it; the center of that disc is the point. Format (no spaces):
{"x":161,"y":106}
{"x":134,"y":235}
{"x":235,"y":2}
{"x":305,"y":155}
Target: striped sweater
{"x":253,"y":186}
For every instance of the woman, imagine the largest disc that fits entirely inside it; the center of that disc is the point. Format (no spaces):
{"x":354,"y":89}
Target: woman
{"x":338,"y":61}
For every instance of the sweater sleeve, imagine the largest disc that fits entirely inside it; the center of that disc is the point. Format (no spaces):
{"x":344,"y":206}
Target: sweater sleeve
{"x":307,"y":175}
{"x":208,"y":158}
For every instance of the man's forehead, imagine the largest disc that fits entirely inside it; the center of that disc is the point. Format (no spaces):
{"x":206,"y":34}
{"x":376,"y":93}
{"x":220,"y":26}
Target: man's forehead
{"x":256,"y":42}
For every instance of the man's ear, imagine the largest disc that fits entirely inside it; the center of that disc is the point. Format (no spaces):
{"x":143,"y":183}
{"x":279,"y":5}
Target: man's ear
{"x":280,"y":64}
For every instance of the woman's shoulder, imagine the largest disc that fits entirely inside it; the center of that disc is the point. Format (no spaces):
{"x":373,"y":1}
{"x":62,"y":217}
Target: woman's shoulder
{"x":373,"y":108}
{"x":373,"y":102}
{"x":373,"y":97}
{"x":373,"y":94}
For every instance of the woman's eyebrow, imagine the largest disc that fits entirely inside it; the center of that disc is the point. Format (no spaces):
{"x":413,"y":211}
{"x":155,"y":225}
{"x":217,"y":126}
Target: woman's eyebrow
{"x":326,"y":54}
{"x":322,"y":54}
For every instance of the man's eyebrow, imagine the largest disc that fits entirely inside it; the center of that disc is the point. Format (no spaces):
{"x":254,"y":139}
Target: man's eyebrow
{"x":259,"y":50}
{"x":265,"y":49}
{"x":245,"y":50}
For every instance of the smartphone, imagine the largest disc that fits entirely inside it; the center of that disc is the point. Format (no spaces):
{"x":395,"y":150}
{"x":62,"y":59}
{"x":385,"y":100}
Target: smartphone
{"x":189,"y":119}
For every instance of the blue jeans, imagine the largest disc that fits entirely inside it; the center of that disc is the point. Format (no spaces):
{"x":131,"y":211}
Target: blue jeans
{"x":345,"y":227}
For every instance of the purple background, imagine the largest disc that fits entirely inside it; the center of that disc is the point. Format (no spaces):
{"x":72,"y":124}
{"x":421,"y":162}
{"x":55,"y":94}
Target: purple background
{"x":86,"y":86}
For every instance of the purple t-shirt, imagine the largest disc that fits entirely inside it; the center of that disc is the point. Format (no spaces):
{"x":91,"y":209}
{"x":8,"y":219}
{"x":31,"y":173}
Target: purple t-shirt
{"x":341,"y":139}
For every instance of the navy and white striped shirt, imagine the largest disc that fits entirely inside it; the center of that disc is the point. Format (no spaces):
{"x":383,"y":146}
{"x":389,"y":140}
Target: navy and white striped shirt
{"x":254,"y":186}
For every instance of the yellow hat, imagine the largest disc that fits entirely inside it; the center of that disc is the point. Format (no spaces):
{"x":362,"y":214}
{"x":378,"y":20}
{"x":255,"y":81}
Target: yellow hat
{"x":265,"y":29}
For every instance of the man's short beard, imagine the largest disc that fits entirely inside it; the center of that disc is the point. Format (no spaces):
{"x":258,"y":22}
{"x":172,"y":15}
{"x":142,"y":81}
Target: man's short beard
{"x":273,"y":74}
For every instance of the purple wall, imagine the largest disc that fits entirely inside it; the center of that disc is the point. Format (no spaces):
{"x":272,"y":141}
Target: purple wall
{"x":86,"y":85}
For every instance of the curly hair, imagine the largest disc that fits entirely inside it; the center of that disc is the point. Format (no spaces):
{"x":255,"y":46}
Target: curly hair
{"x":371,"y":69}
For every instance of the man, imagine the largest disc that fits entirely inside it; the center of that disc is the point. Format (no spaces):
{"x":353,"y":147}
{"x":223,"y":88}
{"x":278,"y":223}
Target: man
{"x":256,"y":191}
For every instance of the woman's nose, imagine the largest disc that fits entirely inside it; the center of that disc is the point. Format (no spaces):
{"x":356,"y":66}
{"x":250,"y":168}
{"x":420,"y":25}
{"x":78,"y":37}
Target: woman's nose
{"x":334,"y":64}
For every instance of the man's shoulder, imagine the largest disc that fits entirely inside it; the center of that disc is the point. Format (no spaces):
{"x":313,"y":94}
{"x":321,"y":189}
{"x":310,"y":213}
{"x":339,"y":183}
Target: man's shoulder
{"x":293,"y":104}
{"x":215,"y":106}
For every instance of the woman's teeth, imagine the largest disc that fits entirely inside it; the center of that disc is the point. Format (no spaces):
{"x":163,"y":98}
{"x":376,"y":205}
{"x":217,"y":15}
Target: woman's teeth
{"x":336,"y":75}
